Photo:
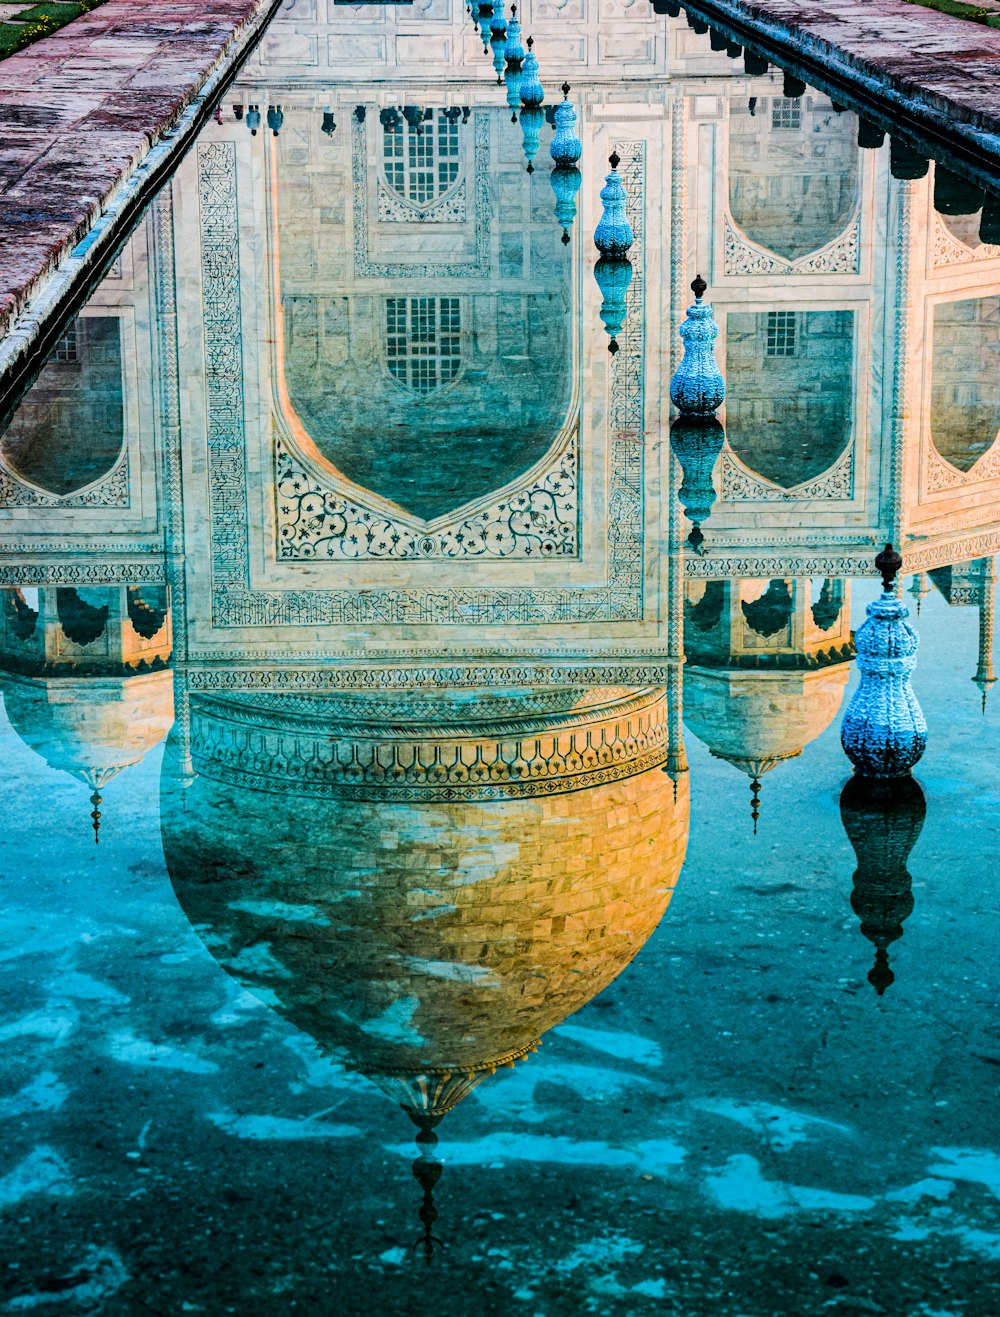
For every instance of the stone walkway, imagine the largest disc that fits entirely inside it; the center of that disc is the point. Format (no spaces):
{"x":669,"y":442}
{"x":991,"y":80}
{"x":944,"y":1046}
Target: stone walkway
{"x":936,"y":72}
{"x":80,"y":112}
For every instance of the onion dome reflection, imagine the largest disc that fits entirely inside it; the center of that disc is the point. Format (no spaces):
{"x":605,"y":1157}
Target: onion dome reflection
{"x":697,"y":442}
{"x":565,"y":185}
{"x":85,"y":678}
{"x":767,"y":667}
{"x":882,"y":819}
{"x":426,"y":882}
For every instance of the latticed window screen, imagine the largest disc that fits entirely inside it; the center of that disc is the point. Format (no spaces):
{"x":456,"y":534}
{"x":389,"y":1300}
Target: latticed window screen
{"x":423,"y":341}
{"x":785,"y":113}
{"x":421,"y":165}
{"x":67,"y":349}
{"x":782,"y":333}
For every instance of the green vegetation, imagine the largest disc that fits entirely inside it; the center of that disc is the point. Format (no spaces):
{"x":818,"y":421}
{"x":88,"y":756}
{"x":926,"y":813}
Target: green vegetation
{"x":38,"y":21}
{"x":957,"y":9}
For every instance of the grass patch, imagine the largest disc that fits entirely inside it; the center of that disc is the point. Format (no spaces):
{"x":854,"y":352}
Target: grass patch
{"x":956,"y":9}
{"x":39,"y":21}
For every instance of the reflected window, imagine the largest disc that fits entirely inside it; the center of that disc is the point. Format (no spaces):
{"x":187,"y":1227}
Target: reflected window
{"x":70,"y":427}
{"x":781,"y":333}
{"x":421,"y":157}
{"x":66,"y":351}
{"x":786,"y":113}
{"x":423,"y":341}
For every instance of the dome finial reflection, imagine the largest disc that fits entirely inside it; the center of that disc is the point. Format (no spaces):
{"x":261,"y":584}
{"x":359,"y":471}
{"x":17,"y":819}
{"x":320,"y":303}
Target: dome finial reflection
{"x":96,"y":800}
{"x":427,"y":1171}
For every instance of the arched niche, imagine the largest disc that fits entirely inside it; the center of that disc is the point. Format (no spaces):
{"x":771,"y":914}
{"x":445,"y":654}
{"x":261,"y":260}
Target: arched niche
{"x":965,"y":379}
{"x":428,"y":386}
{"x":789,"y":376}
{"x":794,"y":172}
{"x":69,"y":429}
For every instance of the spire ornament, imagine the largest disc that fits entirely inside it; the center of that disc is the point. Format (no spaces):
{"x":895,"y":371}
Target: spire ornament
{"x":884,"y":733}
{"x":484,"y":19}
{"x":565,"y":184}
{"x":532,"y":92}
{"x":613,"y":236}
{"x":513,"y":50}
{"x":498,"y":19}
{"x":882,"y":818}
{"x":426,"y":1171}
{"x":512,"y":79}
{"x":985,"y":676}
{"x":613,"y":275}
{"x":566,"y":147}
{"x":697,"y":387}
{"x":497,"y":44}
{"x":696,"y":442}
{"x":96,"y":800}
{"x":532,"y":118}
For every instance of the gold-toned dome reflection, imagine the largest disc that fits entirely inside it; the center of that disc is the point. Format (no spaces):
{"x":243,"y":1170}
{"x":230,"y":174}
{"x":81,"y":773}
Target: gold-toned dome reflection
{"x":426,"y":883}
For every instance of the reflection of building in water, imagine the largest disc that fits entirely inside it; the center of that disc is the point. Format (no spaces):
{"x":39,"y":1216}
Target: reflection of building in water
{"x":426,"y":883}
{"x":84,"y":677}
{"x":882,"y":819}
{"x":68,"y":433}
{"x":767,"y":666}
{"x":793,"y":171}
{"x":424,"y":336}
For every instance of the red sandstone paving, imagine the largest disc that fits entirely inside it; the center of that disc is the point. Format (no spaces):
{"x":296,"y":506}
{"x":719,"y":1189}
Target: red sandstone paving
{"x":950,"y":63}
{"x":80,"y":110}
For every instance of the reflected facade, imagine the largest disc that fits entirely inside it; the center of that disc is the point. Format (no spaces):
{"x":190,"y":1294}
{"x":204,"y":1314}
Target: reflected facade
{"x":343,"y":562}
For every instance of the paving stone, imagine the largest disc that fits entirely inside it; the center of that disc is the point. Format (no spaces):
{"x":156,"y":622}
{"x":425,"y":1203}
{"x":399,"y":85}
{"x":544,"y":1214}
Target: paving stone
{"x":80,"y":110}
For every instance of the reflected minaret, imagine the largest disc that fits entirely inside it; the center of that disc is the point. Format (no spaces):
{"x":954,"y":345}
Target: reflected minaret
{"x":985,"y":676}
{"x":882,"y":818}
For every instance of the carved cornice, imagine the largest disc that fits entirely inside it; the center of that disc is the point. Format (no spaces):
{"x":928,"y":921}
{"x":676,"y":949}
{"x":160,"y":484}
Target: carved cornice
{"x":251,"y":747}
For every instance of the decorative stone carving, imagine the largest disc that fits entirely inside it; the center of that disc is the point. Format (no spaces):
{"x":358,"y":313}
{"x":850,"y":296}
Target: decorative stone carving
{"x":316,"y":520}
{"x":942,"y":475}
{"x":394,"y":209}
{"x":949,"y":250}
{"x":112,"y":491}
{"x":429,"y":761}
{"x":842,"y":256}
{"x":740,"y":485}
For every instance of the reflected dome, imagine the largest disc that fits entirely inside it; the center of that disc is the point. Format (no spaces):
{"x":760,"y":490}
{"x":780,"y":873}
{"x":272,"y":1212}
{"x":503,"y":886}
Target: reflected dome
{"x":755,"y":719}
{"x":426,"y":883}
{"x":91,"y":727}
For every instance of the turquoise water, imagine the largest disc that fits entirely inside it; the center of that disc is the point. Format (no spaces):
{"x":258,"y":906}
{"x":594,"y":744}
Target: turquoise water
{"x":431,"y":870}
